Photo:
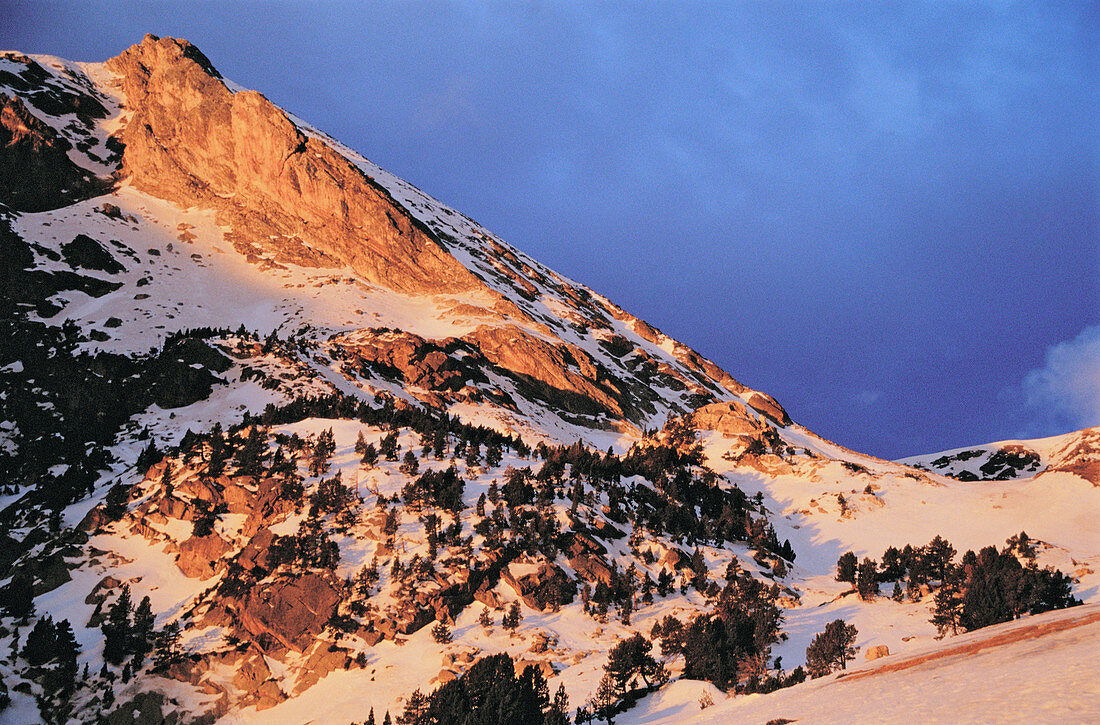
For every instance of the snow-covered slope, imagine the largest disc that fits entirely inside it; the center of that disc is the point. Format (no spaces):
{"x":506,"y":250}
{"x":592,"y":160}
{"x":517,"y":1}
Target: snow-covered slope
{"x":1036,"y":671}
{"x":1077,"y":452}
{"x":202,"y":288}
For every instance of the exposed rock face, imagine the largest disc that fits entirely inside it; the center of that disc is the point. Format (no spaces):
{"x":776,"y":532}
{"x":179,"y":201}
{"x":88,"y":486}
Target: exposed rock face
{"x":567,"y":371}
{"x":322,"y":660}
{"x":877,"y":651}
{"x":729,"y":418}
{"x":200,"y":556}
{"x":560,"y":374}
{"x":192,"y":140}
{"x":147,"y":708}
{"x":767,"y":405}
{"x":290,"y":194}
{"x":290,"y":612}
{"x":543,"y":588}
{"x":586,"y":557}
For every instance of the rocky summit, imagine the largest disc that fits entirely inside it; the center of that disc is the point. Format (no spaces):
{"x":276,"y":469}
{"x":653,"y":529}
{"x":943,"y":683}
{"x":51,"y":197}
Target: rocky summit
{"x":285,"y":439}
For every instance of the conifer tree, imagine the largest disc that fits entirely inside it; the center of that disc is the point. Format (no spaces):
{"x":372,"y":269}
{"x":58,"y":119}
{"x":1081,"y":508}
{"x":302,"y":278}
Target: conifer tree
{"x":867,"y":579}
{"x":947,"y":609}
{"x":415,"y":709}
{"x":473,"y":455}
{"x":323,"y":448}
{"x":631,"y":658}
{"x":410,"y":465}
{"x":117,"y":629}
{"x":370,"y":456}
{"x":441,"y":633}
{"x":832,"y":649}
{"x":143,"y":633}
{"x":846,"y":568}
{"x":388,"y":447}
{"x":513,"y":618}
{"x":17,"y":598}
{"x":166,"y":478}
{"x":167,"y":652}
{"x":493,"y":455}
{"x":605,"y":700}
{"x":148,"y":456}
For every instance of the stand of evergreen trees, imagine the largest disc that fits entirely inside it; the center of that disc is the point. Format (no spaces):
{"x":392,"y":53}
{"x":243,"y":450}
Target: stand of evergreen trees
{"x":984,"y":588}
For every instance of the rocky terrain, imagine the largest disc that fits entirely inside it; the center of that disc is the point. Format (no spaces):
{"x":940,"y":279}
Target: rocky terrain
{"x":285,"y":439}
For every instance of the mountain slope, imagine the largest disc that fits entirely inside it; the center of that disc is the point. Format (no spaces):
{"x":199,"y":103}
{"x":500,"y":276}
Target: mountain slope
{"x":1077,"y":453}
{"x":335,"y":432}
{"x":1036,"y":671}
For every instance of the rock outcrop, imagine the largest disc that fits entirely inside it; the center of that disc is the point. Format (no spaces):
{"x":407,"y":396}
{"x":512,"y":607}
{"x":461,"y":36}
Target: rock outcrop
{"x":200,"y":556}
{"x":876,"y":651}
{"x":282,"y":190}
{"x":731,"y":419}
{"x":541,"y":586}
{"x":290,"y":612}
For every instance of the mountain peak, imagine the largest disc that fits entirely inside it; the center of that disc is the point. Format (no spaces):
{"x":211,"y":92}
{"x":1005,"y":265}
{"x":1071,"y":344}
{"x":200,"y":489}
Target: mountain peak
{"x":296,"y":409}
{"x":280,"y":190}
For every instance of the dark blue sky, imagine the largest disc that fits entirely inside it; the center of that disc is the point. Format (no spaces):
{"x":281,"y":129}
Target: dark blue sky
{"x":886,"y":215}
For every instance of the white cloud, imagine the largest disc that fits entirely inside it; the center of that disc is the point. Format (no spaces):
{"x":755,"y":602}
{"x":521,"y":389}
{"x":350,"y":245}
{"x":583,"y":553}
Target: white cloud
{"x":868,"y":397}
{"x":1066,"y":390}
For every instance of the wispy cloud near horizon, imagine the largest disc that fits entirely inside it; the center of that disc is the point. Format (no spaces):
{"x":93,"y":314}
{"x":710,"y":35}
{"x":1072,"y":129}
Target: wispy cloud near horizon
{"x":1065,"y":391}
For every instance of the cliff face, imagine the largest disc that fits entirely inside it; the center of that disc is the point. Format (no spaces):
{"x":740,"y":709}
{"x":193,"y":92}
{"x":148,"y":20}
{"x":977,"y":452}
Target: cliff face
{"x":287,"y":193}
{"x":193,"y":141}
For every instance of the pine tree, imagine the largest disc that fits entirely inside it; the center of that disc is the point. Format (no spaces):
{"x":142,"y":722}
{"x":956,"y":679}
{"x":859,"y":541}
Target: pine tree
{"x":249,"y":458}
{"x":473,"y":455}
{"x":831,"y":649}
{"x":605,"y":700}
{"x":17,"y":598}
{"x":664,"y":582}
{"x":416,"y":709}
{"x":217,"y":452}
{"x":512,"y":618}
{"x":441,"y":633}
{"x":939,"y":554}
{"x":625,"y":609}
{"x":167,"y":652}
{"x":867,"y":579}
{"x":143,"y":633}
{"x":410,"y":465}
{"x":846,"y":568}
{"x":948,"y":608}
{"x":892,"y":569}
{"x":388,"y":447}
{"x":41,"y":642}
{"x":493,"y":455}
{"x":166,"y":478}
{"x":370,"y":456}
{"x":360,"y":444}
{"x":558,"y":713}
{"x":148,"y":456}
{"x":323,"y":448}
{"x":485,"y":618}
{"x":631,"y":658}
{"x":117,"y":629}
